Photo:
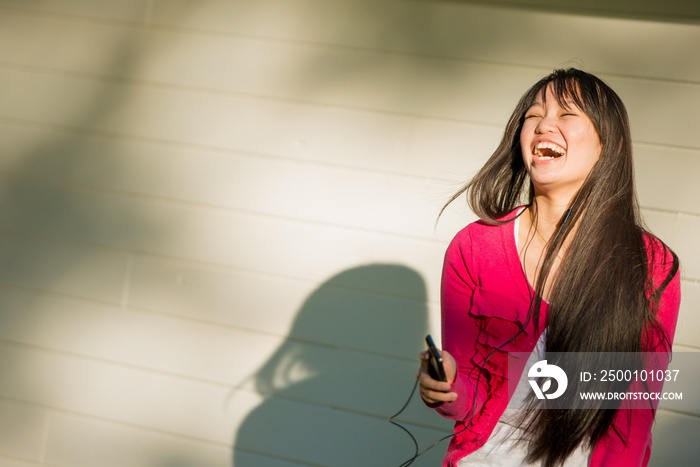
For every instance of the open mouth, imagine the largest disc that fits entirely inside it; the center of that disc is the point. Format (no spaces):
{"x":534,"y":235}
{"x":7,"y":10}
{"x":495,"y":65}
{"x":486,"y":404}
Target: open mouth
{"x":548,"y":151}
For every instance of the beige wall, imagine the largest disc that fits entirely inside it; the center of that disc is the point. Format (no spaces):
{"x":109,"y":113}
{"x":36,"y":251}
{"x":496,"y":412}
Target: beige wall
{"x":217,"y":241}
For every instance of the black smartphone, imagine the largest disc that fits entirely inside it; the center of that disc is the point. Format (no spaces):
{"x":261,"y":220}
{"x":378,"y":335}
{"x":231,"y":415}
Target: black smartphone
{"x":435,"y":368}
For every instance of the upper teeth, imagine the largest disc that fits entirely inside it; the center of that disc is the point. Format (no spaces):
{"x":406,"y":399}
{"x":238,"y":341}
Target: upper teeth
{"x":554,"y":147}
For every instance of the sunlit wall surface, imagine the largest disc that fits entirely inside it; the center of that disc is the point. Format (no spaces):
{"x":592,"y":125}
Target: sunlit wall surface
{"x":217,"y":218}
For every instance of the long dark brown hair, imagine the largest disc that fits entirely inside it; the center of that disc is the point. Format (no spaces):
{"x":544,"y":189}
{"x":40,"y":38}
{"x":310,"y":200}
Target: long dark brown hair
{"x":602,"y":298}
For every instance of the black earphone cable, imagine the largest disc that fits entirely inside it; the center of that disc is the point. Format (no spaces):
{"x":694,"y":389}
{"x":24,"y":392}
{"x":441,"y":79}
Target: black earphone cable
{"x":418,"y":452}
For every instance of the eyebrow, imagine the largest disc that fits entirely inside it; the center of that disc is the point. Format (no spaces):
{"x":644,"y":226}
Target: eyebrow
{"x":568,"y":104}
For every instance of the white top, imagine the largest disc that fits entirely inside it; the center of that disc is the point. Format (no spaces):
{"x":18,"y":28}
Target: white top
{"x":502,"y":448}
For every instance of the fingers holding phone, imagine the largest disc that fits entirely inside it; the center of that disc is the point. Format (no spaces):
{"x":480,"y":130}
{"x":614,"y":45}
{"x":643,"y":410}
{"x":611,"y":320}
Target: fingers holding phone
{"x":438,"y":370}
{"x":435,"y":368}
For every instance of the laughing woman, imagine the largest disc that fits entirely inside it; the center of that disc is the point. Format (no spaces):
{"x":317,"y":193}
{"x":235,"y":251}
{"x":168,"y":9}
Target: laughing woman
{"x":559,"y":262}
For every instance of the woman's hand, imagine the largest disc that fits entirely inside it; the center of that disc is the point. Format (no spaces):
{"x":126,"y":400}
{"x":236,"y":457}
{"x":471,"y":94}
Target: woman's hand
{"x":431,"y":390}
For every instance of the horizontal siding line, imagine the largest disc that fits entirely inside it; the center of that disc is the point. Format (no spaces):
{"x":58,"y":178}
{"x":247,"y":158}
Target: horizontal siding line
{"x":260,"y":98}
{"x":327,"y":345}
{"x":385,"y":417}
{"x":147,"y":25}
{"x":252,"y":155}
{"x":284,"y":339}
{"x":145,"y":84}
{"x":695,"y":349}
{"x":414,"y":55}
{"x":182,"y":319}
{"x":100,"y":134}
{"x":117,"y":308}
{"x":247,"y":154}
{"x":96,"y":134}
{"x":222,"y":209}
{"x":217,"y":209}
{"x":168,"y":202}
{"x":5,"y":456}
{"x":39,"y":292}
{"x":147,"y":198}
{"x":598,"y":13}
{"x":313,"y":284}
{"x":643,"y":79}
{"x":191,"y":31}
{"x":668,"y":211}
{"x":377,"y":51}
{"x":661,"y":146}
{"x":109,"y":421}
{"x":113,"y":363}
{"x":224,"y":270}
{"x":13,"y":121}
{"x":196,"y":264}
{"x":685,"y":414}
{"x":232,"y":389}
{"x":267,"y":455}
{"x":80,"y":243}
{"x":74,"y":18}
{"x":681,"y":412}
{"x":227,"y":401}
{"x":288,"y":42}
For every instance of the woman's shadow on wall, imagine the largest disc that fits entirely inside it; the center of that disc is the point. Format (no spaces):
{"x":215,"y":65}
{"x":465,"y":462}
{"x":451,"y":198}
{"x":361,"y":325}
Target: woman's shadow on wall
{"x":348,"y":363}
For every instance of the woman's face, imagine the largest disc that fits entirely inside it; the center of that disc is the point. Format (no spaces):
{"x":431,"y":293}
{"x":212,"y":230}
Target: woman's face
{"x":559,"y":145}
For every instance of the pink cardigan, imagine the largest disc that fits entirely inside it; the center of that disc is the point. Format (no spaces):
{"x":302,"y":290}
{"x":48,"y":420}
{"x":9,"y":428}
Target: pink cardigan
{"x":485,"y":299}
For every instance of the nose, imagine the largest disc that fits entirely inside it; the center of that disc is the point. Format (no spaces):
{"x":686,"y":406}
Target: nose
{"x":546,"y":124}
